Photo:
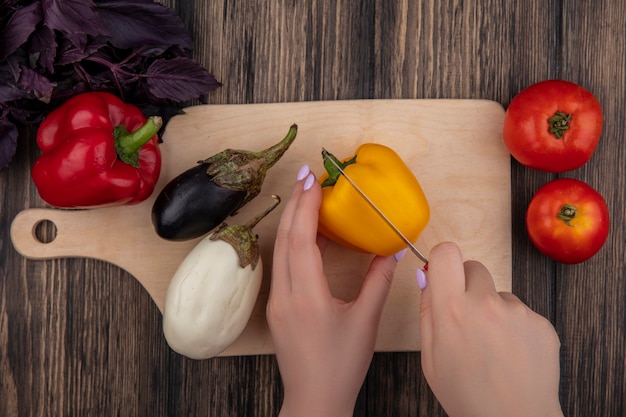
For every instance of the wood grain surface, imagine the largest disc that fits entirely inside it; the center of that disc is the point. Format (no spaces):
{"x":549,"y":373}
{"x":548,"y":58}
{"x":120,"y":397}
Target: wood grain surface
{"x":82,"y":337}
{"x":463,"y":168}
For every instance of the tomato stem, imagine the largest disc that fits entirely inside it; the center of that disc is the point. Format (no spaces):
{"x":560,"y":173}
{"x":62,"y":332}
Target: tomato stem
{"x":559,"y":123}
{"x":567,"y":213}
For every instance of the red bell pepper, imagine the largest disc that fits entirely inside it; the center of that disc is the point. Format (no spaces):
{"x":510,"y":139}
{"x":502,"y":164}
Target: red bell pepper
{"x":90,"y":159}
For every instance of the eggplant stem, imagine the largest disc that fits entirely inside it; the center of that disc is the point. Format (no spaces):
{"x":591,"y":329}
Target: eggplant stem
{"x":255,"y":220}
{"x":272,"y":154}
{"x":243,"y":170}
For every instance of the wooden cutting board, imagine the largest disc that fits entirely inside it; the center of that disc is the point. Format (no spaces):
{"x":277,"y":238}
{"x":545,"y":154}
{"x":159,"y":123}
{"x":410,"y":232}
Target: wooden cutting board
{"x":454,"y":148}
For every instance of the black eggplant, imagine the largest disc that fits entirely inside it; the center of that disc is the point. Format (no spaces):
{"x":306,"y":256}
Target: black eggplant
{"x":201,"y":198}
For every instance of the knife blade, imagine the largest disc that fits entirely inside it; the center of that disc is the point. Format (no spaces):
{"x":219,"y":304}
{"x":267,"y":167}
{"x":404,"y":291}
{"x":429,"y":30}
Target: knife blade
{"x":326,"y":156}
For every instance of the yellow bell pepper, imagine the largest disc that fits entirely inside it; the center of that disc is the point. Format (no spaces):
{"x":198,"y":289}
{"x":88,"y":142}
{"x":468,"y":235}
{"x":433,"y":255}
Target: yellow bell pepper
{"x":347,"y":219}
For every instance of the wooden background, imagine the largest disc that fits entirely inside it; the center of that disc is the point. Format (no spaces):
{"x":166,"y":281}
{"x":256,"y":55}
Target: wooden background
{"x":81,"y":337}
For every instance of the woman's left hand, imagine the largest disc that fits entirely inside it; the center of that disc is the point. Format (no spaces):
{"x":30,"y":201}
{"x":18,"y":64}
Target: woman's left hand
{"x":323,"y":345}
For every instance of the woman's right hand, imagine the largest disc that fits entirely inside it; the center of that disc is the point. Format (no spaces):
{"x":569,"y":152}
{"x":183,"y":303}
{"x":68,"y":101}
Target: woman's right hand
{"x":484,"y":353}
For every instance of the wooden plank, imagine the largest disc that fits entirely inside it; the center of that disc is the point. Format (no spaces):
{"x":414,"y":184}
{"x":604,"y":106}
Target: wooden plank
{"x":80,"y":336}
{"x":591,"y":312}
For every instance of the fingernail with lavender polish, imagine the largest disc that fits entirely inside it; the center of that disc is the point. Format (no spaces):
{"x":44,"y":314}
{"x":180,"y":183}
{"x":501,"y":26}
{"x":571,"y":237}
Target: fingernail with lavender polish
{"x":399,"y":255}
{"x":421,"y":279}
{"x":308,"y":183}
{"x":304,"y":171}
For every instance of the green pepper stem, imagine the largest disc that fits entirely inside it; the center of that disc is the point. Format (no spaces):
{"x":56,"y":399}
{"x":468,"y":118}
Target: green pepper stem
{"x":331,"y":169}
{"x":128,"y":144}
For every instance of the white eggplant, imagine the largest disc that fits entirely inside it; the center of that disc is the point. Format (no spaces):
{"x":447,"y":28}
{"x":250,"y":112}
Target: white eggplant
{"x":213,"y":292}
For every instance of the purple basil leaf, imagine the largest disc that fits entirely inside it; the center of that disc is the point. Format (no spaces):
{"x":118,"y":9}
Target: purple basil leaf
{"x":8,"y":141}
{"x":179,"y":79}
{"x":43,"y":46}
{"x":117,"y":1}
{"x":18,"y":28}
{"x":69,"y":88}
{"x":13,"y":64}
{"x":73,"y":16}
{"x":28,"y":111}
{"x":137,"y":24}
{"x":40,"y":86}
{"x":22,"y":116}
{"x":76,"y":47}
{"x":9,"y":91}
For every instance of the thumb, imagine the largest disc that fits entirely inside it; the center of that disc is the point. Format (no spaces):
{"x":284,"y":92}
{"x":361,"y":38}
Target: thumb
{"x":375,"y":287}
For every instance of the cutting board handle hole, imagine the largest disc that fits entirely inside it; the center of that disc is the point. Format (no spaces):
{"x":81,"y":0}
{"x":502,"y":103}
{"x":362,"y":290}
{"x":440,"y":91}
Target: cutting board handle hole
{"x":45,"y":231}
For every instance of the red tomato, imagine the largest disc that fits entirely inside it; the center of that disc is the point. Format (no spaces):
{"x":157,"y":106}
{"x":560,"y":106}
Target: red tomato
{"x":553,"y":126}
{"x":567,"y":220}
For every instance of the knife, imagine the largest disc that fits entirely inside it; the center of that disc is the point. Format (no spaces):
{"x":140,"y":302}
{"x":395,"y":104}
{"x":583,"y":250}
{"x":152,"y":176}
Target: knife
{"x":327,"y":157}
